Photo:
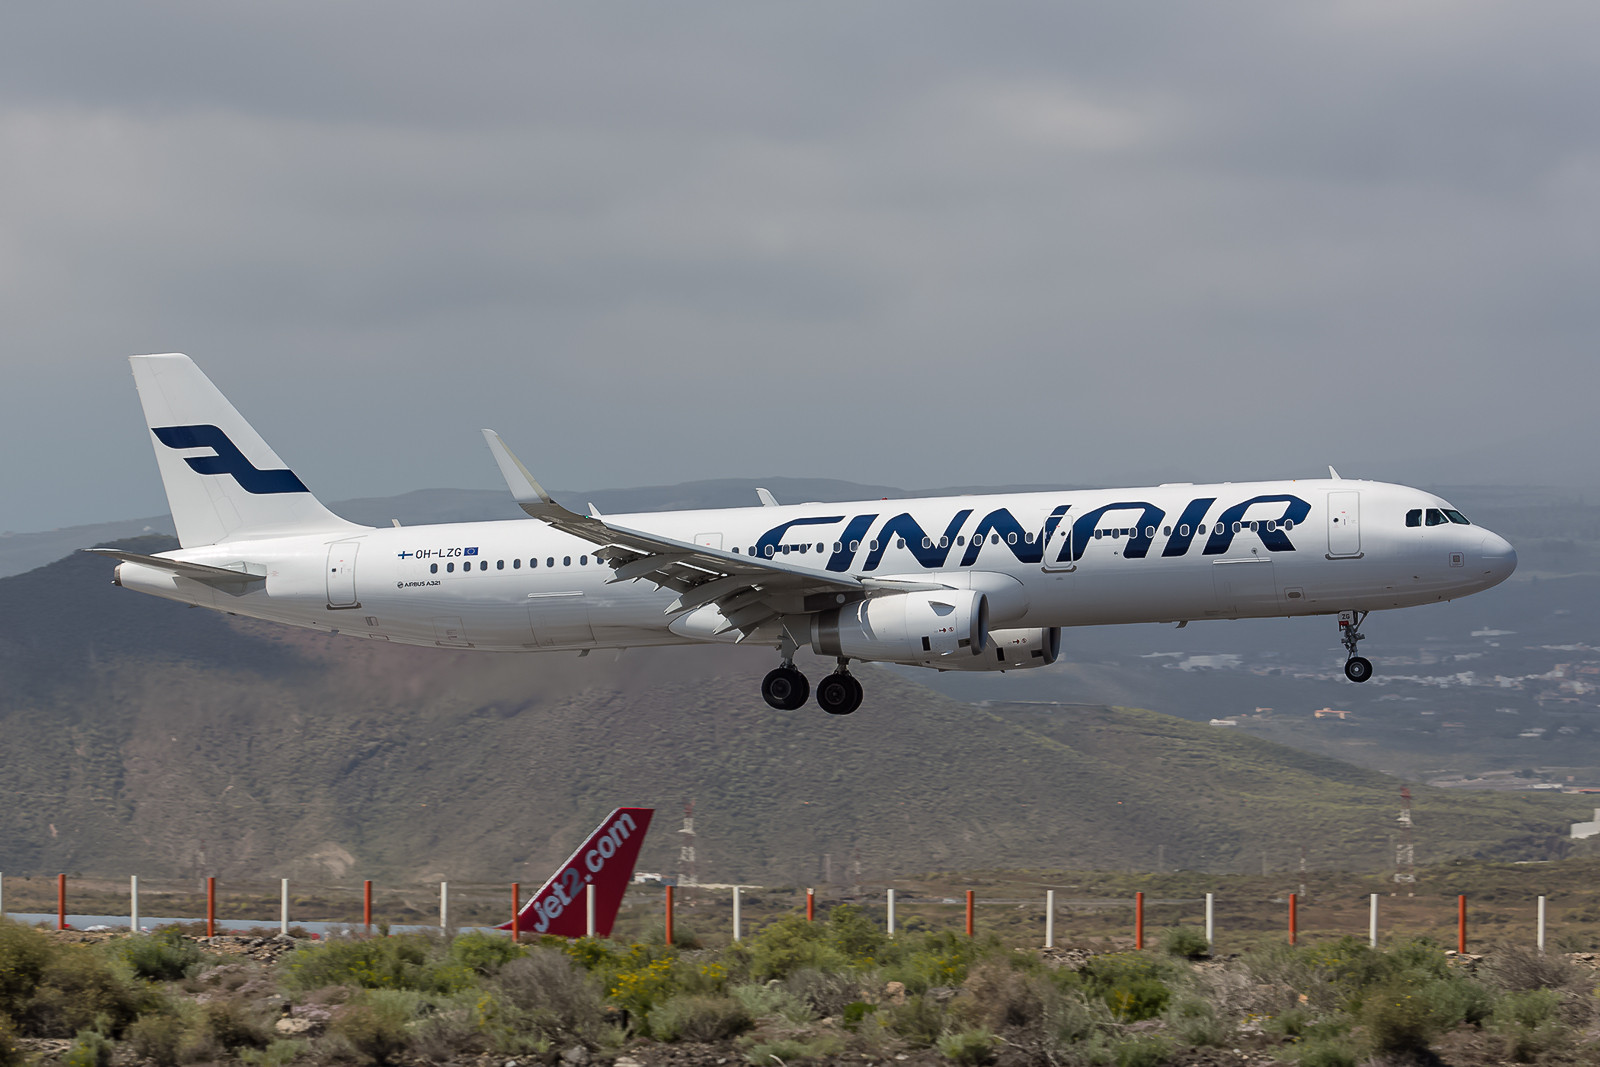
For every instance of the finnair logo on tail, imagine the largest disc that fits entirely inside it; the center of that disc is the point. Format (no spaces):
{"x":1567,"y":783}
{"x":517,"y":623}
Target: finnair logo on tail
{"x":228,"y":459}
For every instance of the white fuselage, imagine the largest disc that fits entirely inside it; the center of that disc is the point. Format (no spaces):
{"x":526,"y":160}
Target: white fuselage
{"x":1080,"y":558}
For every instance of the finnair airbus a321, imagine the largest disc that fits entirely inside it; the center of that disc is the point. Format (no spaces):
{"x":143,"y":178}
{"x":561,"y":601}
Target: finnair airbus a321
{"x":972,"y":583}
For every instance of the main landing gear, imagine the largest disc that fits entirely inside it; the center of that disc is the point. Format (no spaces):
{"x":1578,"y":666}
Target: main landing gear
{"x":786,"y":689}
{"x":1356,"y":668}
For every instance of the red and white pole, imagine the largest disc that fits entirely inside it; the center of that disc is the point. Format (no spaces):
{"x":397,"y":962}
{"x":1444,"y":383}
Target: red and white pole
{"x":1461,"y":924}
{"x":1294,"y":918}
{"x":61,"y":902}
{"x":969,"y":913}
{"x":211,"y":907}
{"x":366,"y":904}
{"x":516,"y":911}
{"x":811,"y":905}
{"x":1138,"y":920}
{"x":669,"y":915}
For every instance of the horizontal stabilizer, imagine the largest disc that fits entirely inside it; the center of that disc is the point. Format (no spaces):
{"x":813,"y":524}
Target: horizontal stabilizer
{"x":240,"y":574}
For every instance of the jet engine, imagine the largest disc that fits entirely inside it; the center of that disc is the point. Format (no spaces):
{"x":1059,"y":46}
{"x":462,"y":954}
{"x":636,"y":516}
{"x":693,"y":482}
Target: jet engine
{"x":1007,"y":650}
{"x":936,"y":626}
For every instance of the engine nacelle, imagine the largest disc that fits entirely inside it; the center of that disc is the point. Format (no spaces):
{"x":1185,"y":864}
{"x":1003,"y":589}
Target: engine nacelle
{"x":945,"y":624}
{"x":1008,"y":650}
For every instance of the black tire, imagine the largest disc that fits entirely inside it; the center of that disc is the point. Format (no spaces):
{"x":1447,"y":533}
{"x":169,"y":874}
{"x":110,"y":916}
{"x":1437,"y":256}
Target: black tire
{"x":839,"y":694}
{"x":785,"y":688}
{"x":856,"y":693}
{"x":1358,"y":668}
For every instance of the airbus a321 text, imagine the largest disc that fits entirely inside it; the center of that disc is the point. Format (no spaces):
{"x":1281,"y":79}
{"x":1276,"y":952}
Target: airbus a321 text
{"x":972,"y":583}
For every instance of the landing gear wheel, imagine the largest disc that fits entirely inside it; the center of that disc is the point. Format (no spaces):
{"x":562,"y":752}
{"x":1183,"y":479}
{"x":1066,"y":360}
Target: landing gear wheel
{"x":785,"y":688}
{"x":839,"y":694}
{"x":1358,"y":668}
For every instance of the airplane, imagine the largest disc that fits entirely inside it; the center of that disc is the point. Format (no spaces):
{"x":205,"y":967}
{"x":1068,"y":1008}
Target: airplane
{"x":605,"y":861}
{"x":971,"y":583}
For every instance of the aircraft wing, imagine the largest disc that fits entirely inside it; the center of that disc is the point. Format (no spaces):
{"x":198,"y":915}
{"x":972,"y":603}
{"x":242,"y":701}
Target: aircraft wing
{"x":748,"y":590}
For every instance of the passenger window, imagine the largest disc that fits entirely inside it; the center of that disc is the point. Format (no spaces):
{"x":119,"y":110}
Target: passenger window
{"x":1414,"y":517}
{"x":1029,"y":537}
{"x":433,"y":568}
{"x":1183,"y":531}
{"x":1456,"y":517}
{"x":944,"y":542}
{"x":550,"y":561}
{"x":1236,"y":527}
{"x":994,"y":539}
{"x":1099,"y":534}
{"x":449,"y":568}
{"x":1149,"y":531}
{"x":583,"y":561}
{"x":1288,"y":524}
{"x":1011,"y":538}
{"x":1116,"y":534}
{"x":769,"y":551}
{"x":499,"y":564}
{"x":1435,"y":517}
{"x":1166,"y":531}
{"x":566,"y":561}
{"x":821,"y":547}
{"x":483,"y":564}
{"x":961,"y":540}
{"x":855,"y":546}
{"x":899,"y":542}
{"x":735,"y":550}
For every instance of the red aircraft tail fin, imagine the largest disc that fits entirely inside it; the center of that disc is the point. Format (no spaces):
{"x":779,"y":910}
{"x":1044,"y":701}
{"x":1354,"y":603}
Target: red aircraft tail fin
{"x":606,"y":861}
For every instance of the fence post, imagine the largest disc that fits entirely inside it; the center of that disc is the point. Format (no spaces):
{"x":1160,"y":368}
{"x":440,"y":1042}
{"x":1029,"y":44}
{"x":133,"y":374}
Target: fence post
{"x":2,"y":895}
{"x":516,"y":912}
{"x":1372,"y":922}
{"x":736,"y":913}
{"x":588,"y":918}
{"x":366,"y":904}
{"x":444,"y":907}
{"x":1049,"y":918}
{"x":669,"y":915}
{"x":133,"y":903}
{"x":811,"y":905}
{"x":1541,"y":926}
{"x":211,"y":906}
{"x":61,"y":902}
{"x":283,"y":907}
{"x":1461,"y":925}
{"x":1294,"y":919}
{"x":891,"y":913}
{"x":969,"y":913}
{"x":1138,"y":920}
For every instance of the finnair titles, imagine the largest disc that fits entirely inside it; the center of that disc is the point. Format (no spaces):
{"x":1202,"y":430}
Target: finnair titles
{"x":973,"y":583}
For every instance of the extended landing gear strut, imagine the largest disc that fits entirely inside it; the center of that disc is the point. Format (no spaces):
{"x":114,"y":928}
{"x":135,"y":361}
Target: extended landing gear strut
{"x":1356,"y":668}
{"x":786,"y":689}
{"x":839,"y":693}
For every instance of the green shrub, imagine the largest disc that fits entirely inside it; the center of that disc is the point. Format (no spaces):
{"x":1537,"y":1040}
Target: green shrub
{"x":374,"y":1026}
{"x":970,"y":1048}
{"x":1328,"y":1052}
{"x":79,"y":990}
{"x":165,"y":956}
{"x":89,"y":1049}
{"x":699,"y":1018}
{"x":789,"y":944}
{"x":1194,"y":1021}
{"x":1400,"y":1021}
{"x":157,"y":1037}
{"x":856,"y":1013}
{"x":1287,"y":1024}
{"x":1148,"y":1051}
{"x":276,"y":1054}
{"x":1000,"y":996}
{"x":484,"y":953}
{"x":1186,"y":942}
{"x":766,"y":1002}
{"x":236,"y":1025}
{"x":793,"y":1050}
{"x":24,"y":953}
{"x":409,"y":961}
{"x":541,"y":998}
{"x":1129,"y":983}
{"x":1530,"y":1025}
{"x":920,"y":1020}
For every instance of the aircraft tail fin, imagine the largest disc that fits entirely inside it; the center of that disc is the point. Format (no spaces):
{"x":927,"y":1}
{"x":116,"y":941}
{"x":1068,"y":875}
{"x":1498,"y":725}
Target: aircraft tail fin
{"x":223,"y":482}
{"x":606,"y":861}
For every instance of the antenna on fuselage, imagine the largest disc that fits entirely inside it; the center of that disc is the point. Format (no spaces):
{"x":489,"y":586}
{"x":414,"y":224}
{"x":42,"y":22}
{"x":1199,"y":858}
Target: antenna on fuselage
{"x":767,"y":499}
{"x":1334,"y":474}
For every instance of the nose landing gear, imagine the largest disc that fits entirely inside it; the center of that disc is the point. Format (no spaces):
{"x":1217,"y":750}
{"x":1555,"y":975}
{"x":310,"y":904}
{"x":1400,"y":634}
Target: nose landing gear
{"x":1356,"y":668}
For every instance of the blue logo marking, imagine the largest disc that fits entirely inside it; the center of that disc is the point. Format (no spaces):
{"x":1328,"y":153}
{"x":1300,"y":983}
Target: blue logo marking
{"x":228,"y":459}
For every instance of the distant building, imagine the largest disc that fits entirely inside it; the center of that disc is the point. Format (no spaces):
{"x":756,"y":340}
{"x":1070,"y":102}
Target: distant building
{"x":1330,"y":713}
{"x":1224,"y":722}
{"x":1587,"y":829}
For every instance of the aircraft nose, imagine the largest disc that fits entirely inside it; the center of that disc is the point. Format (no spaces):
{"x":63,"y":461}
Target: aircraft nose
{"x":1499,"y":558}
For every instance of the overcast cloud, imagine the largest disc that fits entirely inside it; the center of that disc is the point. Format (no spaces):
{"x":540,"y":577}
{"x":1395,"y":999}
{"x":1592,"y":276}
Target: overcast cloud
{"x":904,"y":243}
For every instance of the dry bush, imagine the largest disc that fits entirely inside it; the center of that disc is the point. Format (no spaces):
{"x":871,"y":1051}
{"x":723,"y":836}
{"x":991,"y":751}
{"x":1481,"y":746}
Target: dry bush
{"x":998,"y":997}
{"x":546,"y":993}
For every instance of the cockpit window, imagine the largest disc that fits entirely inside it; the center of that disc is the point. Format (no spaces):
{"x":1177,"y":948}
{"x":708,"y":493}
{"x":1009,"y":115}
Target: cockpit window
{"x":1436,"y":517}
{"x":1456,"y":517}
{"x":1414,"y":517}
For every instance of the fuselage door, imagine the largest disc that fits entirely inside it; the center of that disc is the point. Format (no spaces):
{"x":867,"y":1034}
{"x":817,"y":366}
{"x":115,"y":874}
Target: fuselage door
{"x":1058,"y":550}
{"x":1344,"y":524}
{"x":342,"y":574}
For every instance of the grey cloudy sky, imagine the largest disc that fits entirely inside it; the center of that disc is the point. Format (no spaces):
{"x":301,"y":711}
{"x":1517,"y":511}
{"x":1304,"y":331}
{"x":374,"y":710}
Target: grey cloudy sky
{"x":909,"y":243}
